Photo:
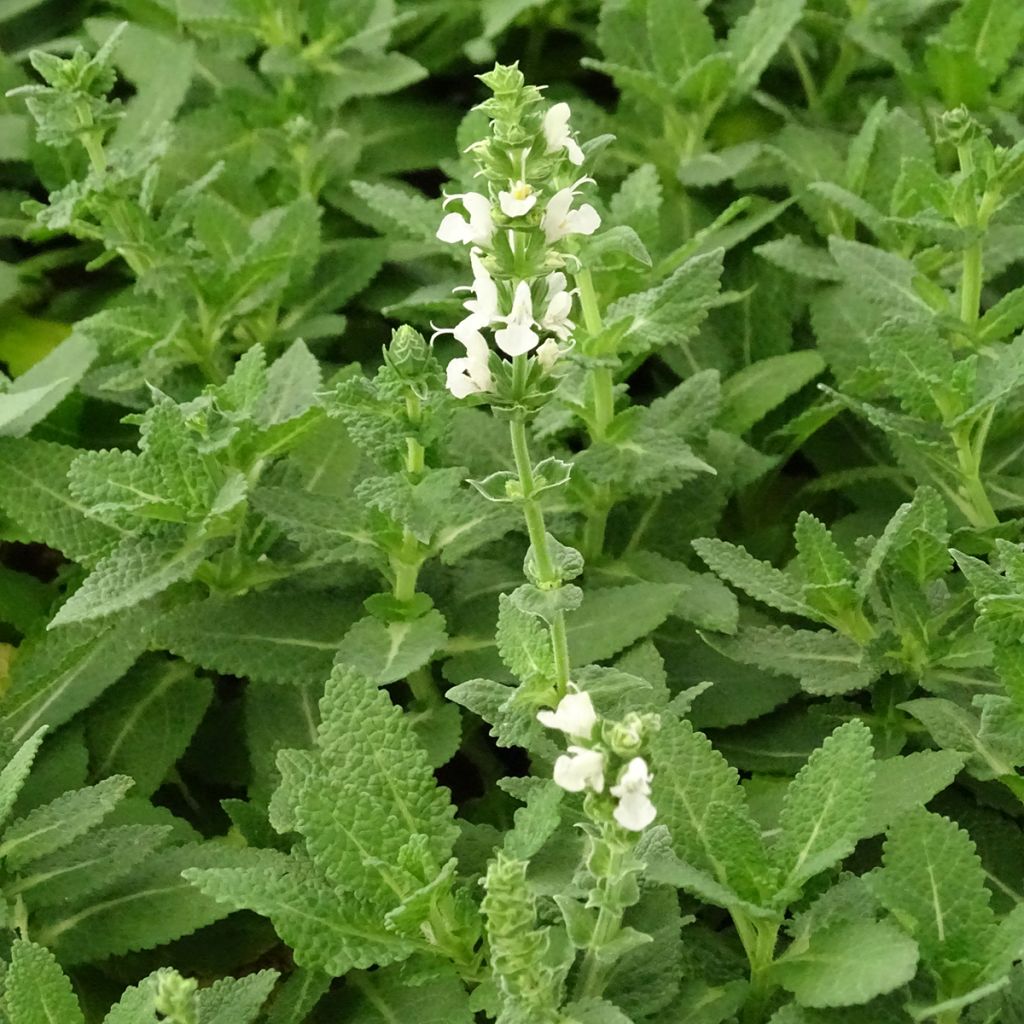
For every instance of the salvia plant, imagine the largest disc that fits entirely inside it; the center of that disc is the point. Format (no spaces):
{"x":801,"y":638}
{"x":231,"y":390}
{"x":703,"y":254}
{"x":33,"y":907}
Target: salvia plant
{"x":475,"y":550}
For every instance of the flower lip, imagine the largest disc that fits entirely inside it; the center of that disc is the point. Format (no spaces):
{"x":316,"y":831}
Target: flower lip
{"x":575,"y":715}
{"x":519,"y":200}
{"x":634,"y":810}
{"x":580,"y":769}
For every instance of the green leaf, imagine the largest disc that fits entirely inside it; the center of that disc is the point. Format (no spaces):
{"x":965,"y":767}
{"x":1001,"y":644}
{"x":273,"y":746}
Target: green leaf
{"x":149,"y":906}
{"x":387,"y":652}
{"x":54,"y":825}
{"x":327,"y":929}
{"x":614,"y":617}
{"x":761,"y":580}
{"x":753,"y":392}
{"x":235,"y":1000}
{"x":15,"y":772}
{"x":137,"y":569}
{"x":903,"y":783}
{"x":58,"y":673}
{"x":36,"y":495}
{"x":825,"y":806}
{"x":278,"y":636}
{"x":368,"y":791}
{"x":36,"y":991}
{"x":143,"y":725}
{"x":847,"y":964}
{"x":933,"y":883}
{"x":383,"y":997}
{"x":756,"y":37}
{"x":825,"y":662}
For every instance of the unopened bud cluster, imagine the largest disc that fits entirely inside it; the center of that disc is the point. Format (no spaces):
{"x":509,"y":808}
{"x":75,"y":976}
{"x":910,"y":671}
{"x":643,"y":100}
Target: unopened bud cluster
{"x":518,"y":233}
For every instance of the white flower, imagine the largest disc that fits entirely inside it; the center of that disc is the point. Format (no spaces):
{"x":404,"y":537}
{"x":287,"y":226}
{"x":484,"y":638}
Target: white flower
{"x":519,"y":200}
{"x":560,"y":219}
{"x":478,"y":230}
{"x":634,"y":810}
{"x":518,"y":336}
{"x":548,"y":354}
{"x":575,"y":715}
{"x":469,"y":374}
{"x":580,"y":769}
{"x":484,"y":306}
{"x":559,"y":305}
{"x":557,"y":134}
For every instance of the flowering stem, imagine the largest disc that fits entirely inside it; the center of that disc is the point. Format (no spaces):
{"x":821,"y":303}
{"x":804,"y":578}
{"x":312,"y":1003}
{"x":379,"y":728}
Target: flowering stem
{"x":546,"y":571}
{"x":409,"y":560}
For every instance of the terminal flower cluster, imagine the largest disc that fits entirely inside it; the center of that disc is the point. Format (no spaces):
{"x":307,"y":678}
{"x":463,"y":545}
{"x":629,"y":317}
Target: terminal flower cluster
{"x":520,"y":303}
{"x":587,"y":766}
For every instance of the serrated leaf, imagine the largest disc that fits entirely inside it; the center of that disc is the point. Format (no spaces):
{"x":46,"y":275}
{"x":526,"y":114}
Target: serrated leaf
{"x":386,"y":652}
{"x":847,"y":964}
{"x":143,"y":725}
{"x":368,"y":791}
{"x":149,"y":906}
{"x":902,"y":783}
{"x":382,"y":997}
{"x":137,"y":569}
{"x":54,"y":825}
{"x":755,"y":38}
{"x":327,"y":929}
{"x":749,"y":395}
{"x":825,"y":806}
{"x":36,"y":991}
{"x":614,"y":617}
{"x":271,"y":637}
{"x":761,"y":580}
{"x":932,"y":882}
{"x":15,"y":772}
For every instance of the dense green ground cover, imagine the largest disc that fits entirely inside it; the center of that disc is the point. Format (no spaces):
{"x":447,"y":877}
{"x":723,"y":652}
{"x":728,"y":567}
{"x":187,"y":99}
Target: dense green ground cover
{"x":511,"y":511}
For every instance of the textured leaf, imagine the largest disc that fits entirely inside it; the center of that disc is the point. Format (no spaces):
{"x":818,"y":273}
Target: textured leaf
{"x":847,"y":964}
{"x":143,"y":725}
{"x":36,"y":991}
{"x":757,"y":36}
{"x":37,"y":497}
{"x":382,"y":997}
{"x":327,"y":929}
{"x":760,"y":580}
{"x":369,"y":790}
{"x":387,"y":652}
{"x":614,"y":617}
{"x":151,"y":905}
{"x":137,"y":569}
{"x":753,"y":392}
{"x":825,"y":805}
{"x":274,"y":637}
{"x":54,"y":825}
{"x":14,"y":773}
{"x":902,"y":783}
{"x":932,"y":882}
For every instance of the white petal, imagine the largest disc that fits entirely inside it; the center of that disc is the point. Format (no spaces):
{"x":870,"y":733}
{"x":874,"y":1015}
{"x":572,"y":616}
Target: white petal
{"x":584,"y":221}
{"x":454,"y":228}
{"x":574,"y":152}
{"x":548,"y":354}
{"x":512,"y":206}
{"x":516,"y":339}
{"x":556,"y":126}
{"x":575,"y":715}
{"x":457,"y":379}
{"x":635,"y":812}
{"x":580,"y":769}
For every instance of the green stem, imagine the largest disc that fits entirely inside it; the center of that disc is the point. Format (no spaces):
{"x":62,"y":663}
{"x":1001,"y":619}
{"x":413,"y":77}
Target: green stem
{"x":806,"y":78}
{"x":968,"y":456}
{"x":409,"y":561}
{"x":593,"y":972}
{"x":537,"y":530}
{"x":761,"y":956}
{"x":972,"y":273}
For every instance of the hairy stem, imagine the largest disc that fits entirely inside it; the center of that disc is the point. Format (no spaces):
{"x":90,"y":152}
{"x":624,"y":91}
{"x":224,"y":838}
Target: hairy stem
{"x":546,"y":571}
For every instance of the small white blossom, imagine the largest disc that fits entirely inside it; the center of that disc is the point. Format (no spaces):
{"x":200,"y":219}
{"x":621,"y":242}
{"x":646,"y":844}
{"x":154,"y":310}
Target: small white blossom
{"x":520,"y":199}
{"x":634,"y":810}
{"x":560,"y":219}
{"x":580,"y":769}
{"x":477,"y":230}
{"x":559,"y":305}
{"x":518,"y":336}
{"x":575,"y":714}
{"x":484,"y":305}
{"x":548,"y":354}
{"x":557,"y":134}
{"x":469,"y":374}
